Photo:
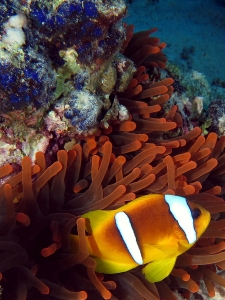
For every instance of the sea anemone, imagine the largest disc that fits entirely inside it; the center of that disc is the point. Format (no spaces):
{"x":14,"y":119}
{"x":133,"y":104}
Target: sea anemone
{"x":40,"y":206}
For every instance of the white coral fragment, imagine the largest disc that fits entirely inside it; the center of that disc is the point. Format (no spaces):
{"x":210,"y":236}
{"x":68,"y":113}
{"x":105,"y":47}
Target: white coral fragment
{"x":17,"y":21}
{"x":13,"y":30}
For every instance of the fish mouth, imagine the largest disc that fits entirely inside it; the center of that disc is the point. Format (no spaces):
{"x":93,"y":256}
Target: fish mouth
{"x":203,"y":225}
{"x":206,"y":221}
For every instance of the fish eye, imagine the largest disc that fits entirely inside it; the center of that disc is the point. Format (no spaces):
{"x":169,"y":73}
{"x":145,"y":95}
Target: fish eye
{"x":196,"y":213}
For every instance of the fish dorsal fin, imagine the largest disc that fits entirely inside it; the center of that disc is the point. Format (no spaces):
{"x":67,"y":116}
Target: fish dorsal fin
{"x":96,"y":218}
{"x":157,"y":270}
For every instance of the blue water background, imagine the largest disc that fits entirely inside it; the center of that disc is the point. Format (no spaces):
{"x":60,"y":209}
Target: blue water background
{"x":194,"y":31}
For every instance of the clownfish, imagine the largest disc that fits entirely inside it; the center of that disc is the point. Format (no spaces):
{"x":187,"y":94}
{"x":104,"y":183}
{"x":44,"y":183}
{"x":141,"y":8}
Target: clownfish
{"x":151,"y":230}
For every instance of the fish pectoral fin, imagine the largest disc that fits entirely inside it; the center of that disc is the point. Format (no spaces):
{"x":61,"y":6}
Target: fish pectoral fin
{"x":157,"y":270}
{"x":111,"y":267}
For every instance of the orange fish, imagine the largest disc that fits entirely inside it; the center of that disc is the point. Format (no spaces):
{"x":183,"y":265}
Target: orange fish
{"x":151,"y":230}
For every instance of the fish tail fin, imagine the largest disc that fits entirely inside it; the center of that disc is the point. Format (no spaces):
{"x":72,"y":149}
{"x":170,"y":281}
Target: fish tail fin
{"x":75,"y":244}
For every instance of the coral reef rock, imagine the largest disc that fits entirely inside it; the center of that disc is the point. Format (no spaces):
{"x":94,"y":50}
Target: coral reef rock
{"x":60,"y":63}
